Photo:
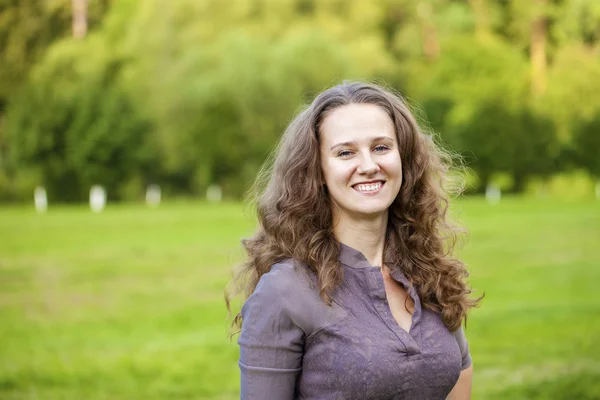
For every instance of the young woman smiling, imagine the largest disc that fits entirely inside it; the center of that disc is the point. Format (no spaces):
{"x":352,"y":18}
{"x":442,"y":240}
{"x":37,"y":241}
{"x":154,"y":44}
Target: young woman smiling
{"x":352,"y":289}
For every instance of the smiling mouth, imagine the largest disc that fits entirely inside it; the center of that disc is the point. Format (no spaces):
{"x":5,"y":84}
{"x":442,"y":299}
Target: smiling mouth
{"x":369,"y":188}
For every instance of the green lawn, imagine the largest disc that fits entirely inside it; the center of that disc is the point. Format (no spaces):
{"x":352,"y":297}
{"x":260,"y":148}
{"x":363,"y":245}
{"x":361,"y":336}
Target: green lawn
{"x":128,"y":304}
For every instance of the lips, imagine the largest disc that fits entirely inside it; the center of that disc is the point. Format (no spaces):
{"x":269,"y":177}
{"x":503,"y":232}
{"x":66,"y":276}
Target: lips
{"x":368,"y":187}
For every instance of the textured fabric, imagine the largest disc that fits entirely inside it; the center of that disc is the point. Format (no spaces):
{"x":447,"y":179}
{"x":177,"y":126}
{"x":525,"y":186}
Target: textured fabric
{"x":294,"y":346}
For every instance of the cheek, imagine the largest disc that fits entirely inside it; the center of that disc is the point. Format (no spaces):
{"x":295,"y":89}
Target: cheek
{"x":344,"y":171}
{"x":328,"y":174}
{"x":394,"y":166}
{"x":336,"y":173}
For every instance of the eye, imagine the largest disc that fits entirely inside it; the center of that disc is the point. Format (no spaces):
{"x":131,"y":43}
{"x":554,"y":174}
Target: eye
{"x":381,"y":148}
{"x":345,"y":153}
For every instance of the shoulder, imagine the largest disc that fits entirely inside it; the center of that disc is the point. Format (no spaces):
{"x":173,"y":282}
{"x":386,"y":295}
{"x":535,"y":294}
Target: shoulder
{"x":289,"y":291}
{"x":285,"y":278}
{"x":288,"y":286}
{"x":290,"y":272}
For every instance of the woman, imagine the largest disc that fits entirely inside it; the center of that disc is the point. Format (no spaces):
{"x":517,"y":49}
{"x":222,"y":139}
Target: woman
{"x":353,"y":290}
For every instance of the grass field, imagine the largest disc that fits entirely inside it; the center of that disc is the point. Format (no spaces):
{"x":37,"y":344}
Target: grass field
{"x":128,"y":304}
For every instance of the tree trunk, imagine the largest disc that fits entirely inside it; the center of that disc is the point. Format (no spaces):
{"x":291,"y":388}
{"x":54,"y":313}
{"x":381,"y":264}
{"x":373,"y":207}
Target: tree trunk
{"x":481,"y":16}
{"x":431,"y":46}
{"x":79,"y":18}
{"x":519,"y":181}
{"x":538,"y":50}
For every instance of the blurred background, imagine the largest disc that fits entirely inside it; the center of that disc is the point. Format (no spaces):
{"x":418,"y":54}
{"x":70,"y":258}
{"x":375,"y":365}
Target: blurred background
{"x":159,"y":114}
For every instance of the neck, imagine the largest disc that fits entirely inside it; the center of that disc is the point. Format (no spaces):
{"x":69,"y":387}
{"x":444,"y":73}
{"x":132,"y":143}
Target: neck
{"x":366,"y":235}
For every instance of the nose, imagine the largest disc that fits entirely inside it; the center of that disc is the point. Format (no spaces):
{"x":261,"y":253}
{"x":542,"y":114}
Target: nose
{"x":368,"y":166}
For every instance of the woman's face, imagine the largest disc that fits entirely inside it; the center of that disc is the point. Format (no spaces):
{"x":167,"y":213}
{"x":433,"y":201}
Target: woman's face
{"x":360,"y":160}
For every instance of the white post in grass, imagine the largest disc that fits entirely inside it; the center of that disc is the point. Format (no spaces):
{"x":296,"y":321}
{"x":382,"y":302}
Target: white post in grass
{"x":214,"y":194}
{"x":493,"y":194}
{"x":153,"y":195}
{"x":40,"y":199}
{"x":97,"y":198}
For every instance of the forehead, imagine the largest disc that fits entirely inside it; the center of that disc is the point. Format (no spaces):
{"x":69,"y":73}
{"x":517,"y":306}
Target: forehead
{"x":356,"y":122}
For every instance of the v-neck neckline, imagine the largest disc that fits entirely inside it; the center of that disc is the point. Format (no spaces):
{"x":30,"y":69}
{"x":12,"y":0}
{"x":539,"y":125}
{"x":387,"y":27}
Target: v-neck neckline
{"x":388,"y":282}
{"x":353,"y":258}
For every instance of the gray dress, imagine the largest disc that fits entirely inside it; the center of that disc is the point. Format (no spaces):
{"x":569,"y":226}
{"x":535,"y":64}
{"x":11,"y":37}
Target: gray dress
{"x":294,"y":346}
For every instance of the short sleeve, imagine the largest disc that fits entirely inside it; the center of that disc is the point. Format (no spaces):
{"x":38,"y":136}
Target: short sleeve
{"x":271,"y":343}
{"x":464,"y":347}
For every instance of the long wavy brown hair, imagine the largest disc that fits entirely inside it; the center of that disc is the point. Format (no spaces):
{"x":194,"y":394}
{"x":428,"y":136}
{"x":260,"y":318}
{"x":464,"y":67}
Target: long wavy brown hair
{"x":295,"y":217}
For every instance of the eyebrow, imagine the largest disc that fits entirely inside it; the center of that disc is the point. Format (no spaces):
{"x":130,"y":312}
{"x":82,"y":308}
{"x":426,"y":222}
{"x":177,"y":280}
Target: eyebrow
{"x":350,"y":143}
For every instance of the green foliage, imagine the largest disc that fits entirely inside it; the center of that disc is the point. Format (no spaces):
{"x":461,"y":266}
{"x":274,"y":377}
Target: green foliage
{"x":27,"y":29}
{"x":573,"y":89}
{"x":586,"y":144}
{"x":491,"y":122}
{"x":192,"y":93}
{"x":76,"y":126}
{"x":512,"y":141}
{"x":574,"y":184}
{"x":572,"y":102}
{"x":220,"y":104}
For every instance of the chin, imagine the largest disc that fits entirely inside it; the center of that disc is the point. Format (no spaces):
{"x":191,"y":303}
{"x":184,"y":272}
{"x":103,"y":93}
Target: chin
{"x":363,"y":208}
{"x":371,"y":212}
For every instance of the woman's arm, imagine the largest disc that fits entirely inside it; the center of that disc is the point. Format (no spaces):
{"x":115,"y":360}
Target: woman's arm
{"x":271,"y":343}
{"x":462,"y":389}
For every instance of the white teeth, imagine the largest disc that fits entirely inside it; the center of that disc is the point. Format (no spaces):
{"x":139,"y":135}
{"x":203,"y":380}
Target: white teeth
{"x":370,"y":187}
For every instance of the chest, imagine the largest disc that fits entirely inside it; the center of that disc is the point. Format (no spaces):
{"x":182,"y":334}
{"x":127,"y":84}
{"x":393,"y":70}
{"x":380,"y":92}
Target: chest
{"x":381,"y":350}
{"x":401,"y":305}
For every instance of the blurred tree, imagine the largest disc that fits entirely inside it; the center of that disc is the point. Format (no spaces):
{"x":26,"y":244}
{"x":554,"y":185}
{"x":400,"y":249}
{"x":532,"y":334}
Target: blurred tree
{"x":490,"y":121}
{"x":195,"y":93}
{"x":481,"y":13}
{"x":577,"y":21}
{"x":573,"y":97}
{"x":221,"y":86}
{"x":572,"y":102}
{"x":517,"y":142}
{"x":543,"y":27}
{"x":27,"y":29}
{"x":538,"y":48}
{"x":75,"y":126}
{"x":80,"y":23}
{"x":431,"y":46}
{"x":574,"y":88}
{"x":586,"y":144}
